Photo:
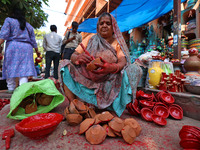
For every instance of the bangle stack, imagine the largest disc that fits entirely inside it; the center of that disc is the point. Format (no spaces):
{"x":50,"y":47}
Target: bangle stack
{"x":117,"y":68}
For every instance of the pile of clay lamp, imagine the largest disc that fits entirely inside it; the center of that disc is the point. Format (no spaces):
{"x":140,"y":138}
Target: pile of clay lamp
{"x":4,"y":102}
{"x":155,"y":108}
{"x":97,"y":127}
{"x":172,"y":82}
{"x":190,"y":137}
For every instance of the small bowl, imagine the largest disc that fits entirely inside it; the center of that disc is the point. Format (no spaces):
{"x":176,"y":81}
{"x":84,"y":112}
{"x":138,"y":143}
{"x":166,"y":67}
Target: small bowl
{"x":147,"y":114}
{"x":167,"y":98}
{"x":145,"y":103}
{"x":161,"y":111}
{"x":40,"y":125}
{"x":161,"y":104}
{"x":175,"y":112}
{"x":159,"y":120}
{"x":146,"y":96}
{"x":176,"y":105}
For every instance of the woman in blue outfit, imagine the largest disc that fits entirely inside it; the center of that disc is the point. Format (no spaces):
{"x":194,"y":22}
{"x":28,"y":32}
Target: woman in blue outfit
{"x":113,"y":85}
{"x":18,"y":56}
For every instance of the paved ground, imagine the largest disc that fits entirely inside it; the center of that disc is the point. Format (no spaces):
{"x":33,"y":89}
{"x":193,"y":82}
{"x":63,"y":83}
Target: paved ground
{"x":153,"y":137}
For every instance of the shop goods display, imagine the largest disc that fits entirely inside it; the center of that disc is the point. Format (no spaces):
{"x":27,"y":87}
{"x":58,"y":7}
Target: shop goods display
{"x":155,"y":108}
{"x":105,"y":124}
{"x":172,"y":82}
{"x":7,"y":135}
{"x":192,"y":64}
{"x":190,"y":137}
{"x":39,"y":126}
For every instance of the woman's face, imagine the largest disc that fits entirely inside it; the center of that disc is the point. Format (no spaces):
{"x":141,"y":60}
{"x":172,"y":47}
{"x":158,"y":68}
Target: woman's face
{"x":105,"y":27}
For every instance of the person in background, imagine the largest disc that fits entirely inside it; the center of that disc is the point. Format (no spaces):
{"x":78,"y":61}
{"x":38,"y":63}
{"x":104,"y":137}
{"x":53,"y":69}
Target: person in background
{"x":52,"y":44}
{"x":18,"y":56}
{"x":37,"y":67}
{"x":113,"y":85}
{"x":72,"y":39}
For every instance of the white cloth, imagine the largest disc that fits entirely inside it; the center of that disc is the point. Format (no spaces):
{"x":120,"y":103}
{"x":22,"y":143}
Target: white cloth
{"x":11,"y":84}
{"x":52,"y":42}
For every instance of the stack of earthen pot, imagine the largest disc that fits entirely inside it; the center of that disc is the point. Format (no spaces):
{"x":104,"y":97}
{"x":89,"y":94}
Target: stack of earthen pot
{"x":97,"y":127}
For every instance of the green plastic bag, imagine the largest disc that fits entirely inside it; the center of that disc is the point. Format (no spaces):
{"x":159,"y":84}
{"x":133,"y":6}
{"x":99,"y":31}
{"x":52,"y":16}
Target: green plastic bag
{"x":46,"y":86}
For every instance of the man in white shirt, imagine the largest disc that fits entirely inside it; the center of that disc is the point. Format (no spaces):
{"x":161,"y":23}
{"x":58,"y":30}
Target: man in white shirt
{"x":52,"y":44}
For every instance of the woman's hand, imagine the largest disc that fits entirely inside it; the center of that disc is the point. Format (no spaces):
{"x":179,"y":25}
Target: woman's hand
{"x":106,"y":67}
{"x":83,"y":59}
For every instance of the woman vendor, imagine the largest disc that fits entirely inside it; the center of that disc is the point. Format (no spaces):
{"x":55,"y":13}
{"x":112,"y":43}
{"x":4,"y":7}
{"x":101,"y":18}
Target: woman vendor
{"x":113,"y":85}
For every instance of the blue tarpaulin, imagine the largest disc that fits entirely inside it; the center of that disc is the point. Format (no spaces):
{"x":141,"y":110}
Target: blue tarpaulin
{"x":131,"y":14}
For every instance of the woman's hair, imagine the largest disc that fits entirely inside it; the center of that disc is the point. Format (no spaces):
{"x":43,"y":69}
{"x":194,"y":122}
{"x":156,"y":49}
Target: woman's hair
{"x":20,"y":16}
{"x":105,"y":14}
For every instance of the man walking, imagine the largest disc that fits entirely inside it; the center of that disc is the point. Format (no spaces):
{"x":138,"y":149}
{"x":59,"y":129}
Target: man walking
{"x":52,"y":44}
{"x":72,"y":40}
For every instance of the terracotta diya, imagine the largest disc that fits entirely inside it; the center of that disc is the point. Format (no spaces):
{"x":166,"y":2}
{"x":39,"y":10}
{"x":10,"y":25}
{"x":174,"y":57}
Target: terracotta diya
{"x":96,"y":134}
{"x":116,"y":124}
{"x":79,"y":105}
{"x":109,"y":131}
{"x":74,"y":119}
{"x":72,"y":109}
{"x":97,"y":120}
{"x":91,"y":66}
{"x":147,"y":114}
{"x":84,"y":126}
{"x":134,"y":124}
{"x":128,"y":134}
{"x":105,"y":116}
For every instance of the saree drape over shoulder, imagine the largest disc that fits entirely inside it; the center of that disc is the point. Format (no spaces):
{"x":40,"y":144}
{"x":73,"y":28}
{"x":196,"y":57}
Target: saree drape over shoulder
{"x":112,"y":91}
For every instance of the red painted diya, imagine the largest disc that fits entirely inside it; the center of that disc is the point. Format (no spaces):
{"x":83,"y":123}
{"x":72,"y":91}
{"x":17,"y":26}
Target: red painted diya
{"x":175,"y":112}
{"x":161,"y":111}
{"x":40,"y":125}
{"x":167,"y":98}
{"x":147,"y":114}
{"x":159,"y":120}
{"x":145,"y":103}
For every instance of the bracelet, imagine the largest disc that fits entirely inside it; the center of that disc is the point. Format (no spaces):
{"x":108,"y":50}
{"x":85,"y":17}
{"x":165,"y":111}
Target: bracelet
{"x":117,"y":68}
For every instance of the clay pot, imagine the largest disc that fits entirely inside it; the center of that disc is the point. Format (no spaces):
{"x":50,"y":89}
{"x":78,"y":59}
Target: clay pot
{"x":44,"y":99}
{"x":96,"y":134}
{"x":109,"y":131}
{"x":105,"y":116}
{"x":79,"y":105}
{"x":91,"y":112}
{"x":72,"y":109}
{"x":26,"y":101}
{"x":30,"y":108}
{"x":97,"y":120}
{"x":84,"y":126}
{"x":74,"y":119}
{"x":91,"y":66}
{"x":193,"y":62}
{"x":66,"y":112}
{"x":134,"y":124}
{"x":128,"y":134}
{"x":116,"y":124}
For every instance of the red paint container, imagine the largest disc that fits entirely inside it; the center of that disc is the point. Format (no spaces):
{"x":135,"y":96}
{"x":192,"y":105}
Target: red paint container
{"x":40,"y":125}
